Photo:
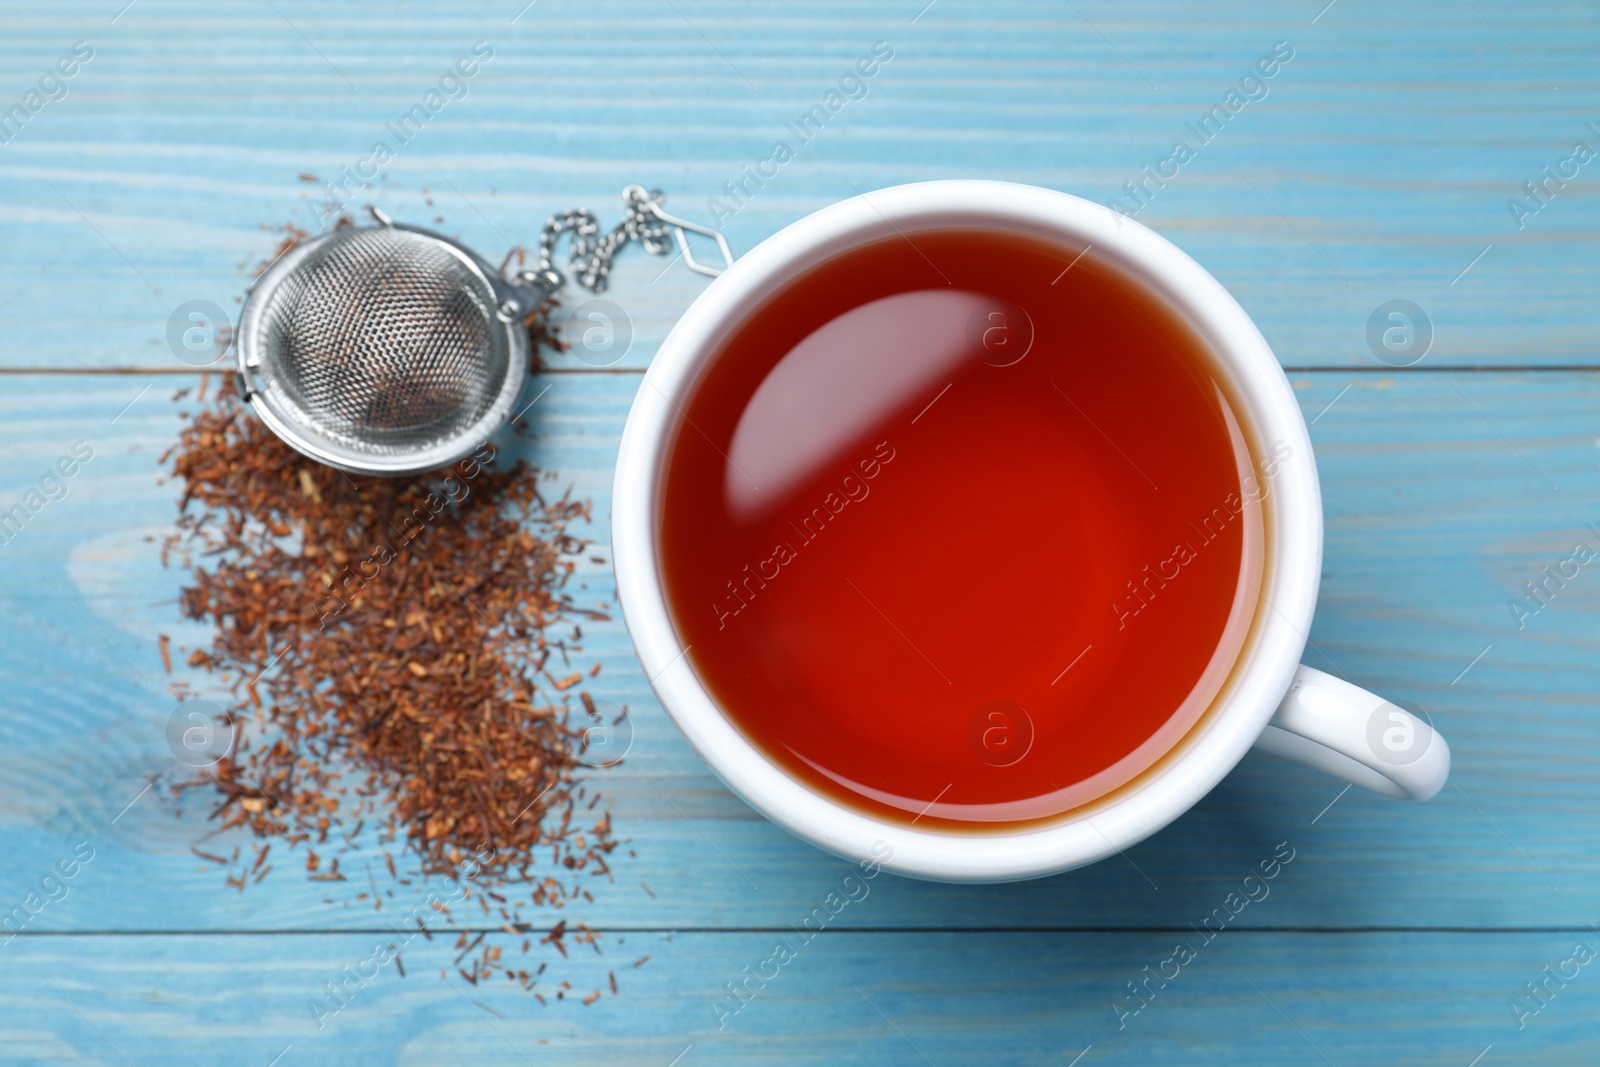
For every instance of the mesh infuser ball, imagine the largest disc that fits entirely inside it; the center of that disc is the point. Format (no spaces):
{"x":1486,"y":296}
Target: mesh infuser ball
{"x":394,"y":350}
{"x":385,"y":349}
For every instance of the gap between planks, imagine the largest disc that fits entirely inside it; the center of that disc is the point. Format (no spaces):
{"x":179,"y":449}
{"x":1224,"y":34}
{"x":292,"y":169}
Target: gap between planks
{"x":1490,"y":368}
{"x":365,"y":931}
{"x":179,"y":372}
{"x":1288,"y":368}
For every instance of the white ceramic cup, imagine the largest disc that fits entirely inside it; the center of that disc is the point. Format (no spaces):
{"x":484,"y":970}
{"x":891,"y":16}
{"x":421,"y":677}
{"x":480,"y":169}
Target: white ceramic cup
{"x":1271,"y":700}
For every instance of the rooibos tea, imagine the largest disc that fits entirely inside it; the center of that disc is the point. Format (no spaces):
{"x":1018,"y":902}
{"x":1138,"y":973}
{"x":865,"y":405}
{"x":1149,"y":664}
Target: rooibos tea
{"x":961,"y":527}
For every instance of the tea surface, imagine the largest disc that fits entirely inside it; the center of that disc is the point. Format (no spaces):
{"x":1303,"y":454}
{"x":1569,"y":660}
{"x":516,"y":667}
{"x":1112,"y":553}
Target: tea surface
{"x":960,"y":529}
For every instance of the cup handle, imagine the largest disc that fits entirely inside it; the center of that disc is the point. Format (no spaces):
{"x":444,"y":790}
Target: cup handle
{"x":1356,"y":736}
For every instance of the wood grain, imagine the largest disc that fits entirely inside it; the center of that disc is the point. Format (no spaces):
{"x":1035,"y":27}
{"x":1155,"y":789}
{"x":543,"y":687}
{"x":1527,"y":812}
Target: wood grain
{"x":1434,"y":519}
{"x":1261,"y":1000}
{"x":1377,"y":167}
{"x":1382,"y":156}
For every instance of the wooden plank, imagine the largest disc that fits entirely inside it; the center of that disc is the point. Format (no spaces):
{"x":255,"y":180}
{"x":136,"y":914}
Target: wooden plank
{"x":844,"y":998}
{"x":1382,"y":157}
{"x":1378,"y":168}
{"x":1438,"y":510}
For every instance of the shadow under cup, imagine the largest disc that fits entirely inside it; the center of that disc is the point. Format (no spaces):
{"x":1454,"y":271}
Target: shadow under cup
{"x":963,"y":528}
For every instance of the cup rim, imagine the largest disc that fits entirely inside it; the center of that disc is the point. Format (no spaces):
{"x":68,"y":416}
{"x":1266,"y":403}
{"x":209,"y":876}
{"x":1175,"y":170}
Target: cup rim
{"x":1210,"y":748}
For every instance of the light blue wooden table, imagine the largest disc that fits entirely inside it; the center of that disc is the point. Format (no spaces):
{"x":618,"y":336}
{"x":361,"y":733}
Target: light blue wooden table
{"x":1378,"y":166}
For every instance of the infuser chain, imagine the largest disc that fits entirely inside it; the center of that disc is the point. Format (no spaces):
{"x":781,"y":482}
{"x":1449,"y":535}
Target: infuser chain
{"x":643,"y":220}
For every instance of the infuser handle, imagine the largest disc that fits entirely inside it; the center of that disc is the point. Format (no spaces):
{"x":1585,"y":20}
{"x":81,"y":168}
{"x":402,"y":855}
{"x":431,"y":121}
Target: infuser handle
{"x":1342,"y":730}
{"x":679,"y":226}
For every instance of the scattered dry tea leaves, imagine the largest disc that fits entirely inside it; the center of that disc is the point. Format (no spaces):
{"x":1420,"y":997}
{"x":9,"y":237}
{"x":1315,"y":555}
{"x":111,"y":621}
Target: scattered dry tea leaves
{"x":386,"y":644}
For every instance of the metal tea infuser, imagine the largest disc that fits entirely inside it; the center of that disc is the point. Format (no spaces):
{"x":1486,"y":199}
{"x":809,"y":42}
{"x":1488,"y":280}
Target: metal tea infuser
{"x":394,"y":350}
